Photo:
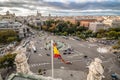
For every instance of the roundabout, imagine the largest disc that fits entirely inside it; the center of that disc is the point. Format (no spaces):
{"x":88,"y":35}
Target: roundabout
{"x":60,"y":45}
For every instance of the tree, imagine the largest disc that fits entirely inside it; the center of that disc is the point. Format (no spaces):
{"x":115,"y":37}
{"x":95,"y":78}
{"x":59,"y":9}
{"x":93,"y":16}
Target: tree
{"x":78,"y":23}
{"x":61,"y":26}
{"x":7,"y":61}
{"x":44,"y":27}
{"x":118,"y":42}
{"x":82,"y":36}
{"x":52,"y":29}
{"x":81,"y":28}
{"x":112,"y":35}
{"x":99,"y":36}
{"x":5,"y":34}
{"x":65,"y":33}
{"x":11,"y":39}
{"x":101,"y":31}
{"x":116,"y":47}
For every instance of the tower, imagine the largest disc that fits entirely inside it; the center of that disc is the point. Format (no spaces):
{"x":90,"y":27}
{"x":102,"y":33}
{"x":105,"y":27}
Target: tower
{"x":49,"y":16}
{"x":7,"y":13}
{"x":39,"y":14}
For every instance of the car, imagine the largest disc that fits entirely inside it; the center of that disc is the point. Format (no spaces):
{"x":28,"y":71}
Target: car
{"x":65,"y":37}
{"x":68,"y":62}
{"x":77,"y":38}
{"x":65,"y":50}
{"x":48,"y":54}
{"x":70,"y":49}
{"x":68,"y":52}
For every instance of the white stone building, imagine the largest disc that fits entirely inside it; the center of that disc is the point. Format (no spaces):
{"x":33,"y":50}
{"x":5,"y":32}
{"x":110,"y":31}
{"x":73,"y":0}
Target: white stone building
{"x":95,"y":26}
{"x":112,"y":22}
{"x":22,"y":30}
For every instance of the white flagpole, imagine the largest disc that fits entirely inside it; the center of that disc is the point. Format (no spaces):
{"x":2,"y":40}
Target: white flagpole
{"x":52,"y":59}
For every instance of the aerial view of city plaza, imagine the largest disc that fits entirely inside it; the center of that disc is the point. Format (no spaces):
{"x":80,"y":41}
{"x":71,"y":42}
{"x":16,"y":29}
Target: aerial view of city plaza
{"x":59,"y":40}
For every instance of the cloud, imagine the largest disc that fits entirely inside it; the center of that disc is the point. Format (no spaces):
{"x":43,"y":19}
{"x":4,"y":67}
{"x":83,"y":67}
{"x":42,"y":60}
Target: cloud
{"x":78,"y":1}
{"x":61,"y":7}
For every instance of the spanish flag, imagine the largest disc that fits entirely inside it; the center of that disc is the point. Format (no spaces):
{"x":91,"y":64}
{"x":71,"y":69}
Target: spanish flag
{"x":56,"y":52}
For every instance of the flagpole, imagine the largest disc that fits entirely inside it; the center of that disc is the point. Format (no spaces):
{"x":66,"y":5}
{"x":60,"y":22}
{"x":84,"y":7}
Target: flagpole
{"x":52,"y":59}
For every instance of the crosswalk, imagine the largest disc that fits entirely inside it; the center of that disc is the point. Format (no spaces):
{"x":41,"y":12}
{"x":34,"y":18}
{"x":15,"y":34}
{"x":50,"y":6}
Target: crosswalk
{"x":75,"y":55}
{"x":39,"y":64}
{"x":92,"y":45}
{"x":88,"y":45}
{"x":43,"y":64}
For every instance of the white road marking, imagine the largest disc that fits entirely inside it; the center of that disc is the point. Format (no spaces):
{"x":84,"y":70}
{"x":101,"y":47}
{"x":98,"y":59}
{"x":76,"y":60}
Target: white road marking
{"x":40,"y":54}
{"x":62,"y":67}
{"x":92,"y":45}
{"x":82,"y":45}
{"x":80,"y":53}
{"x":41,"y":64}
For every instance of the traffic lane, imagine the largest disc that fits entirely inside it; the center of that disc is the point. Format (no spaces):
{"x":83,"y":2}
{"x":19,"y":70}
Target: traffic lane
{"x":82,"y":47}
{"x":77,"y":51}
{"x":91,"y":52}
{"x":36,"y":58}
{"x":78,"y":65}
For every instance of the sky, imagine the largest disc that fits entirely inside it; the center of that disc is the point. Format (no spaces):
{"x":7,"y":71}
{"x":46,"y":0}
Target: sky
{"x":61,"y":7}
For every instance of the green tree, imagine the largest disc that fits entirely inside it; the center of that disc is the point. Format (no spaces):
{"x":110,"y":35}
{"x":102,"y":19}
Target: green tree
{"x":81,"y":29}
{"x":118,"y":42}
{"x":112,"y":35}
{"x":11,"y":39}
{"x":7,"y":61}
{"x":60,"y":26}
{"x":5,"y":34}
{"x":78,"y":23}
{"x":65,"y":33}
{"x":99,"y":36}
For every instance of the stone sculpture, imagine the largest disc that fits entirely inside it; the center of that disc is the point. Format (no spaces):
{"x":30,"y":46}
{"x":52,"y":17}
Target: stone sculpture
{"x":95,"y":70}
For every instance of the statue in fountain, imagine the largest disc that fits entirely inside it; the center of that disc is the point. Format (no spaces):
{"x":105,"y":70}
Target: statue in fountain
{"x":95,"y":70}
{"x":21,"y":62}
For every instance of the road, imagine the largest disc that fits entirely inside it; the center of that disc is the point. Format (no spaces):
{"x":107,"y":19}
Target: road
{"x":40,"y":60}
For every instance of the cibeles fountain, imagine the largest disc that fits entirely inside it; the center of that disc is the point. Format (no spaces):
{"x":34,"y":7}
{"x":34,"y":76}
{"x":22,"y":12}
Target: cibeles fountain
{"x":22,"y":66}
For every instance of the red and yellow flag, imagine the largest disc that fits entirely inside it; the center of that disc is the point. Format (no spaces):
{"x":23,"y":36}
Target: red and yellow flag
{"x":56,"y":52}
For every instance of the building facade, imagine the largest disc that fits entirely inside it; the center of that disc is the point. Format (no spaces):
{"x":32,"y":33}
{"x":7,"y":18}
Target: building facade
{"x":85,"y":22}
{"x":95,"y":26}
{"x":22,"y":30}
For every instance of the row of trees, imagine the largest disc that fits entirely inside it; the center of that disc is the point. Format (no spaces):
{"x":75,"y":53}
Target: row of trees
{"x":32,"y":26}
{"x":111,"y":33}
{"x":116,"y":46}
{"x":66,"y":28}
{"x":7,"y":36}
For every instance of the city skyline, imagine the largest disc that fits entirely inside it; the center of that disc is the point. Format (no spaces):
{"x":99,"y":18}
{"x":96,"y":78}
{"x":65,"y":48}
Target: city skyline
{"x":61,"y":7}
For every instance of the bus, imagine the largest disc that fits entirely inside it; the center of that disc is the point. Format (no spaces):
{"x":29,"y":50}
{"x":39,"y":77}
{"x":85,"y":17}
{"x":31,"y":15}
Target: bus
{"x":25,"y":43}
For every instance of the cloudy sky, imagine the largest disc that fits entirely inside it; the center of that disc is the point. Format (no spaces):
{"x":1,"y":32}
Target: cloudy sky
{"x":61,"y":7}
